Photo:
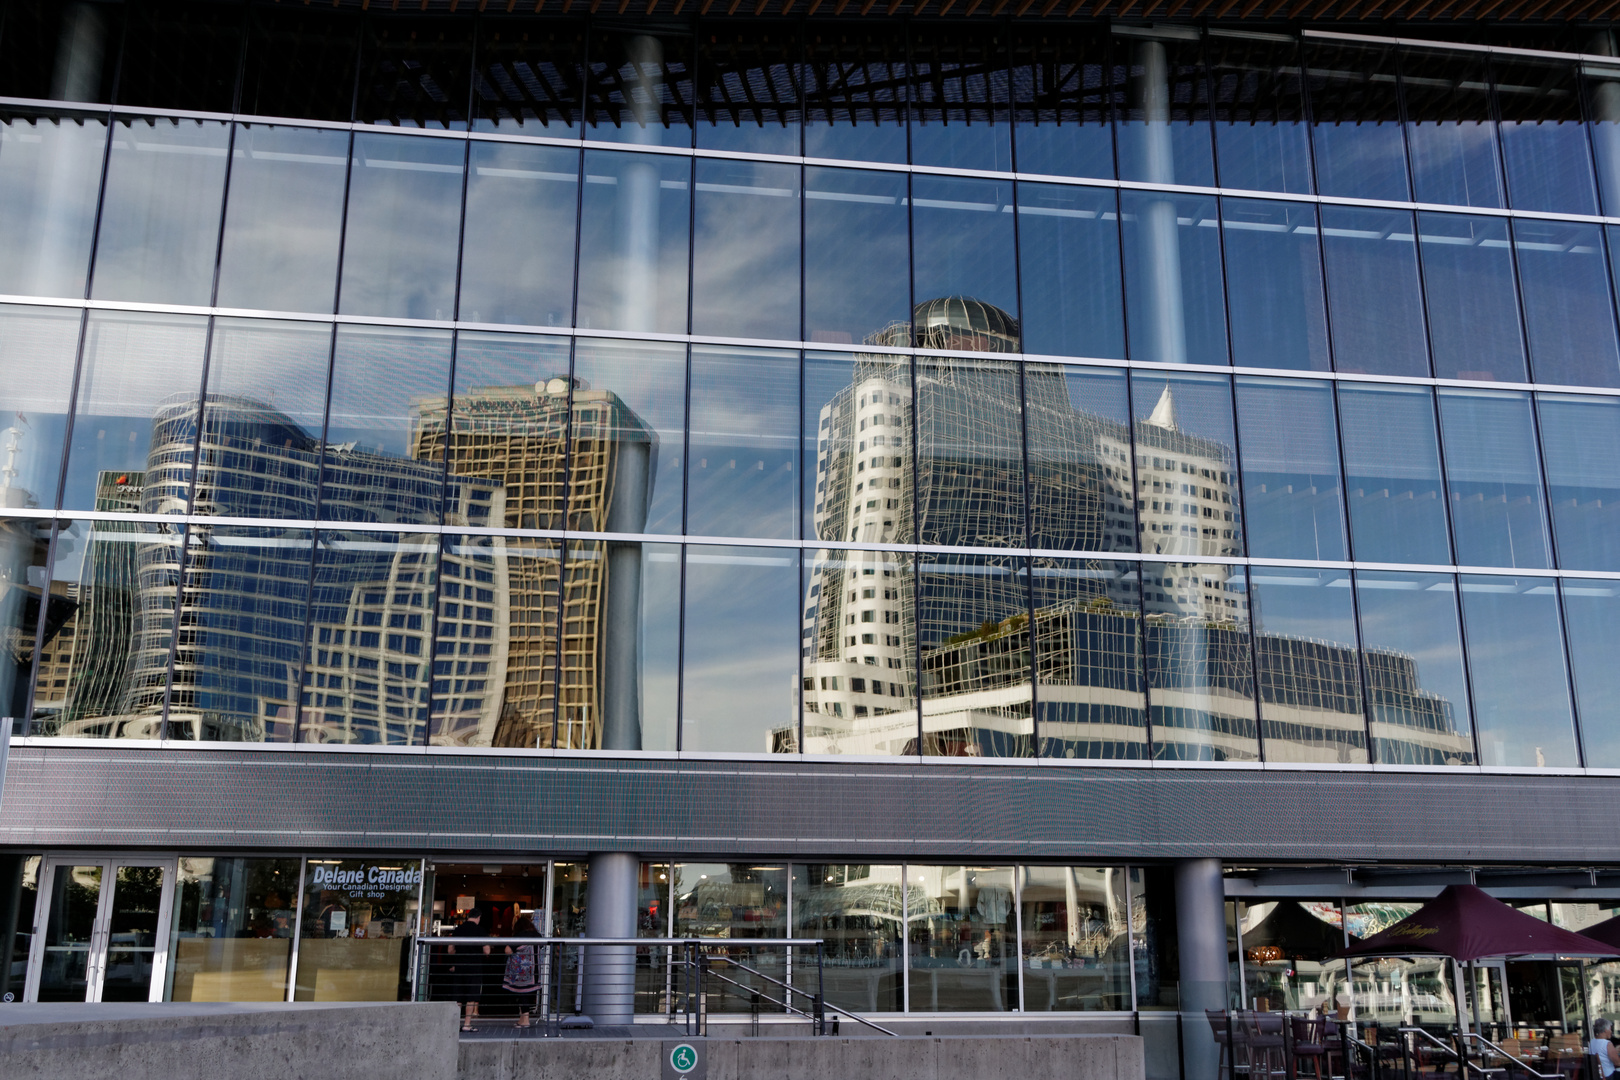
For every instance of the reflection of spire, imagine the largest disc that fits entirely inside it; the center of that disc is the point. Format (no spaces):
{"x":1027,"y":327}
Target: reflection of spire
{"x":1164,"y":413}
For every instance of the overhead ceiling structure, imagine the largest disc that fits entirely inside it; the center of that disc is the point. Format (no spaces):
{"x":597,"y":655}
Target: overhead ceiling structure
{"x":1361,"y":12}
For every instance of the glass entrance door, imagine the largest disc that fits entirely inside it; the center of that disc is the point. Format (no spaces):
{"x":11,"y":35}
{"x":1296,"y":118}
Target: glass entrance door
{"x":100,"y":930}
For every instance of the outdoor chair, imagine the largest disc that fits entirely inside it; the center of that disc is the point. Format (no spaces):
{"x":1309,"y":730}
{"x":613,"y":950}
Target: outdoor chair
{"x":1264,"y":1034}
{"x":1312,"y":1042}
{"x":1226,"y":1032}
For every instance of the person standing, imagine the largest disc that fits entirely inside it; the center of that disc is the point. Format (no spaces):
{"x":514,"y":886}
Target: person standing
{"x":467,"y":968}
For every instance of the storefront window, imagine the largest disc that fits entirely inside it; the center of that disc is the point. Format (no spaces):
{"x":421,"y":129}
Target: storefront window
{"x":1076,"y":938}
{"x":358,"y":918}
{"x":1393,"y":992}
{"x":1290,"y":952}
{"x":232,"y":935}
{"x":857,"y":911}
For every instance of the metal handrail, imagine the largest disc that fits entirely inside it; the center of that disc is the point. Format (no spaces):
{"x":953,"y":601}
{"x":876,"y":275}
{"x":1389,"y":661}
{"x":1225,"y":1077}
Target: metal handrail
{"x":794,"y":989}
{"x":734,"y":942}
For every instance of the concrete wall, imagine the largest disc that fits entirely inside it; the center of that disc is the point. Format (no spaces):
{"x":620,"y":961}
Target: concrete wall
{"x":242,"y":1042}
{"x":1060,"y":1057}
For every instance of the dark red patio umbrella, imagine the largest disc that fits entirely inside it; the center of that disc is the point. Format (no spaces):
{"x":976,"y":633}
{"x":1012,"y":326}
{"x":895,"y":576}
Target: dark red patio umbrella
{"x":1465,"y":923}
{"x":1607,"y":932}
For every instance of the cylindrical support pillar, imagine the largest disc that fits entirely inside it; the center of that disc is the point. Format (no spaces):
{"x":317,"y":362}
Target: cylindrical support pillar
{"x":1201,"y":944}
{"x":1166,"y":331}
{"x":610,"y":911}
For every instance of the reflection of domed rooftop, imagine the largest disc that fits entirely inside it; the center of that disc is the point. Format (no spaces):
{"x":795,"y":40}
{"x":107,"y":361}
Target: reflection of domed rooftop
{"x":961,"y":322}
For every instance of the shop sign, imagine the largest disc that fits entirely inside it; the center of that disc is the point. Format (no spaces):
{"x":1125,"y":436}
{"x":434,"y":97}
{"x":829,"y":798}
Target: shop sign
{"x":367,"y":879}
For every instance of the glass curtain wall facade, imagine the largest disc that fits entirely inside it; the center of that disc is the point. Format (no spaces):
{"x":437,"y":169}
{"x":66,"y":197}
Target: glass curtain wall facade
{"x":855,"y":395}
{"x":1055,"y":392}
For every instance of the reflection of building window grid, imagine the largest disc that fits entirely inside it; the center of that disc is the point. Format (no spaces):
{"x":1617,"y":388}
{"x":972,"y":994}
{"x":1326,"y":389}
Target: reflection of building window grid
{"x":548,"y":450}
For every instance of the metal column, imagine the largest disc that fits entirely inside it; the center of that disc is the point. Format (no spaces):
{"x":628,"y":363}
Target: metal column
{"x":1201,"y":943}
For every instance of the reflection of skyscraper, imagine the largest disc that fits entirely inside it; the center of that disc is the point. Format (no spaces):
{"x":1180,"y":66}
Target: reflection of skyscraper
{"x":552,"y":450}
{"x":877,"y":630}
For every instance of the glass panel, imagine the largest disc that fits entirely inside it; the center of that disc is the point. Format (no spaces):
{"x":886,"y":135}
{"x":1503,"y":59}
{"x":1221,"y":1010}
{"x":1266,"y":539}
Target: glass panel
{"x":60,"y":53}
{"x":740,"y":664}
{"x":132,"y":930}
{"x":633,"y":246}
{"x":1516,"y":668}
{"x":1079,"y":457}
{"x":1567,"y":307}
{"x":974,"y":643}
{"x":1449,"y":130}
{"x":13,"y":978}
{"x":1592,"y":623}
{"x":640,"y":88}
{"x":1274,"y":285}
{"x":1305,"y":642}
{"x":637,"y":392}
{"x":1293,"y":496}
{"x":740,"y":903}
{"x":1473,"y":308}
{"x":37,"y":347}
{"x":1163,"y":128}
{"x":495,"y":641}
{"x":24,"y":557}
{"x":414,"y":72}
{"x":857,"y":258}
{"x":848,"y":398}
{"x":970,"y":460}
{"x":284,"y":219}
{"x":1290,"y":948}
{"x":745,"y":250}
{"x":188,"y":55}
{"x":104,"y":670}
{"x":1260,"y":133}
{"x":1498,"y":507}
{"x":49,"y":179}
{"x":1392,"y":474}
{"x":244,"y":605}
{"x":517,"y":262}
{"x":1077,"y":947}
{"x":359,"y":918}
{"x":371,"y":616}
{"x":1088,"y":663}
{"x":1356,"y":128}
{"x":1069,"y":253}
{"x":963,"y":242}
{"x":1062,"y":86}
{"x":569,"y":892}
{"x":1200,"y":663}
{"x":743,"y":443}
{"x":160,"y":211}
{"x":301,"y":63}
{"x":1186,"y":466}
{"x":394,"y":272}
{"x":1174,"y":304}
{"x":262,"y":418}
{"x":1153,"y":937}
{"x":1373,"y":291}
{"x":69,"y":921}
{"x":620,"y":647}
{"x":232,"y":929}
{"x":962,"y":936}
{"x":855,"y":94}
{"x":530,"y":76}
{"x":1543,"y":138}
{"x":1580,"y":442}
{"x":136,"y":411}
{"x":859,"y":647}
{"x":959,"y":115}
{"x":1603,"y":97}
{"x":858,"y":912}
{"x":748,"y":97}
{"x":377,"y":464}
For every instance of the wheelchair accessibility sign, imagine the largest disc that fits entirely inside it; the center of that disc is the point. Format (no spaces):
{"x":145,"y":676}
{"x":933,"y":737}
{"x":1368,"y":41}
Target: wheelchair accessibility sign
{"x":685,"y":1060}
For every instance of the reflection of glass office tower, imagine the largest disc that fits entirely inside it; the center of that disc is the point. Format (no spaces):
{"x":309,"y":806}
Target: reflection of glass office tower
{"x":517,"y":439}
{"x":247,"y":601}
{"x":89,"y":651}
